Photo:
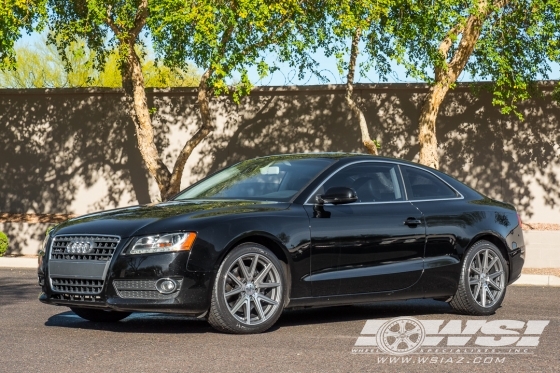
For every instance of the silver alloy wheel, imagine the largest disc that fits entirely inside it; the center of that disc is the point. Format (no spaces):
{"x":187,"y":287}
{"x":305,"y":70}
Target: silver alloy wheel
{"x":253,"y":289}
{"x":486,"y":278}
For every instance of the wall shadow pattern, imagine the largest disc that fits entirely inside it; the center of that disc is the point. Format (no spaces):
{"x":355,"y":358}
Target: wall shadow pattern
{"x":68,"y":144}
{"x":57,"y":143}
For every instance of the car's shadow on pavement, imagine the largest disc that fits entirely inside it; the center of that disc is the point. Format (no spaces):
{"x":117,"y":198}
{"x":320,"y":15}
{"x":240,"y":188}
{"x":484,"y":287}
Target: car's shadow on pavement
{"x":167,"y":323}
{"x":135,"y":323}
{"x":381,"y":310}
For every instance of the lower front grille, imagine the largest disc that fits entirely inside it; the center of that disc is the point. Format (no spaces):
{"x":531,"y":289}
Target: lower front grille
{"x":145,"y":294}
{"x":77,"y":297}
{"x":142,"y":289}
{"x":77,"y":286}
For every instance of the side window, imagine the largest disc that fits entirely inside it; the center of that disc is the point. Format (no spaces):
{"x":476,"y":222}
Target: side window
{"x":373,"y":182}
{"x":421,"y":184}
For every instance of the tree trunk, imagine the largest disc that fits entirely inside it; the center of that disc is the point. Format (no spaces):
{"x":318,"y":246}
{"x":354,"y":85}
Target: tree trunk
{"x":133,"y":84}
{"x":203,"y":131}
{"x":369,"y":144}
{"x":427,"y":125}
{"x":447,"y":75}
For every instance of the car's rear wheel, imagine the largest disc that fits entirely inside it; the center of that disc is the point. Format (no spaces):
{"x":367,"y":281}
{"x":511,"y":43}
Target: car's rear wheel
{"x":483,"y":281}
{"x":99,"y":315}
{"x":249,"y":291}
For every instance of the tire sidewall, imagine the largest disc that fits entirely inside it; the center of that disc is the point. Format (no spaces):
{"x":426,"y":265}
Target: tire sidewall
{"x":219,"y":284}
{"x":476,"y":248}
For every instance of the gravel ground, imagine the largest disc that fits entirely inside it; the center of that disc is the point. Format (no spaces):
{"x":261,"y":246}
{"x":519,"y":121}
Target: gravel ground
{"x":542,"y":271}
{"x":540,"y":227}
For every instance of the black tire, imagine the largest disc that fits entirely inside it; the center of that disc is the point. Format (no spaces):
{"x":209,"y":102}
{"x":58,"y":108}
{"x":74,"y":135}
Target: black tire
{"x":253,"y":289}
{"x":475,"y":283}
{"x":95,"y":315}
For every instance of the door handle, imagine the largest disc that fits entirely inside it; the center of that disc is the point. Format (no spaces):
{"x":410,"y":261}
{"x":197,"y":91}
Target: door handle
{"x":412,"y":222}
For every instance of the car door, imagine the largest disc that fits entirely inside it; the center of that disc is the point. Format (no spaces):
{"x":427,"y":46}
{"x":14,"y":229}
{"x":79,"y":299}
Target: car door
{"x":374,"y":244}
{"x":446,"y":222}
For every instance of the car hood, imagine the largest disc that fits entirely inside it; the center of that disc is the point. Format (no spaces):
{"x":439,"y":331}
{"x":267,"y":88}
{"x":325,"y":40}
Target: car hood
{"x":160,"y":217}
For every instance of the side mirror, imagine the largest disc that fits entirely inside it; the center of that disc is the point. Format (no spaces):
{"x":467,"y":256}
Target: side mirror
{"x":338,"y":196}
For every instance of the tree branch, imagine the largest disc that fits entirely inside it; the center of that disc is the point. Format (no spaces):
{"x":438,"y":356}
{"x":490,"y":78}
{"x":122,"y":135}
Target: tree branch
{"x":111,"y":23}
{"x":140,"y":19}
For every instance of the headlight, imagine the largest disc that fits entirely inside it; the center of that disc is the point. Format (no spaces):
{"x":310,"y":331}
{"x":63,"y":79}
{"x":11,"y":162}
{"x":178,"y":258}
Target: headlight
{"x":163,"y":243}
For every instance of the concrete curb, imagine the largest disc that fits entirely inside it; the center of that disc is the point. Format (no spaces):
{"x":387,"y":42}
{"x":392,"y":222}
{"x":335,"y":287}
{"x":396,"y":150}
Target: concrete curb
{"x":537,"y":280}
{"x":524,"y":280}
{"x":19,"y":262}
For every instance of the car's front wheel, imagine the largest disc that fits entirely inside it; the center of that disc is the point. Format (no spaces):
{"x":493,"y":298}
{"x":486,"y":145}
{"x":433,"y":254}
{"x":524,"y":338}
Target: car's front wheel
{"x":249,"y":291}
{"x":483,"y":281}
{"x":99,"y":315}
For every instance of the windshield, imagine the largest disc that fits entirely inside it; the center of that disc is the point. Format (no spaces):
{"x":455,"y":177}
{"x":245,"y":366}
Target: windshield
{"x":270,"y":178}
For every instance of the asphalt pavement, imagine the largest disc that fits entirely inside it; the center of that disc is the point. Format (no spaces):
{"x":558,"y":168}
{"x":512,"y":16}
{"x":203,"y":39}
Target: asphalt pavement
{"x":39,"y":338}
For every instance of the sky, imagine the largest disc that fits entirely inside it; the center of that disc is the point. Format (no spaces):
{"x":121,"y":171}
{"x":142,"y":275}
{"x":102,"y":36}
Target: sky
{"x":288,"y":76}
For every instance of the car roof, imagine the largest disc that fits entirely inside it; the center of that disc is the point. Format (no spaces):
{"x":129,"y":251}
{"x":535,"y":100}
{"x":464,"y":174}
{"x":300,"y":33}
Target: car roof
{"x":342,"y":156}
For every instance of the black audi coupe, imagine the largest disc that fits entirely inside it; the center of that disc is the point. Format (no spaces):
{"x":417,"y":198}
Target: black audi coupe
{"x":287,"y":231}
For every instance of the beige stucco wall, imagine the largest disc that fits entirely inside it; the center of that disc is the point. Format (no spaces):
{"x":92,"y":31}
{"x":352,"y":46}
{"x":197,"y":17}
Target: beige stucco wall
{"x":74,"y":150}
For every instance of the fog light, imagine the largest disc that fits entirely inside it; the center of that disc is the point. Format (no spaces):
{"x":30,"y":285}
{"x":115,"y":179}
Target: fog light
{"x":166,"y":285}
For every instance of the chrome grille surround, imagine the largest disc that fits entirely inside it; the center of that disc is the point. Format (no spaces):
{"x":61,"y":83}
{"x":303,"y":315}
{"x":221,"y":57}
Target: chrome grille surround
{"x":84,"y":247}
{"x":78,"y":266}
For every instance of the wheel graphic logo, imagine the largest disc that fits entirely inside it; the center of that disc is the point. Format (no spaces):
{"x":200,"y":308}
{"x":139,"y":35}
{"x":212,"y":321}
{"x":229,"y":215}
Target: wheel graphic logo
{"x":400,"y":336}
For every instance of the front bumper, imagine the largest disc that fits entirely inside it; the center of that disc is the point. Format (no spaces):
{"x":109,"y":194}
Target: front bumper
{"x":138,"y":273}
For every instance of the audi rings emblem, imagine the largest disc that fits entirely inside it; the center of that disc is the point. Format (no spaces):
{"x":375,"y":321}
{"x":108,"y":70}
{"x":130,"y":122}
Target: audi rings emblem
{"x":80,"y":246}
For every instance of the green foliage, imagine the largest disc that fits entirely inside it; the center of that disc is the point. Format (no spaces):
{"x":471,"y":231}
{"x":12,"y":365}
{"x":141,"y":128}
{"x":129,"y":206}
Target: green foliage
{"x":517,"y":42}
{"x":226,"y":38}
{"x":157,"y":75}
{"x":41,"y":66}
{"x":3,"y":243}
{"x":17,"y":16}
{"x":344,"y":17}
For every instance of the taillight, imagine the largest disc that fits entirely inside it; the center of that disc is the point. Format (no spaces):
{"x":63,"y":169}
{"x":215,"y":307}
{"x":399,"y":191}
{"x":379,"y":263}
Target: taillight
{"x":519,"y":220}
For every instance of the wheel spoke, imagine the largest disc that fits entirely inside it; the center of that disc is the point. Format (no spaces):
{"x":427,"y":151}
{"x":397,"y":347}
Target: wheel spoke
{"x":492,"y":263}
{"x":243,"y":268}
{"x":238,"y":305}
{"x":485,"y":265}
{"x":268,"y":285}
{"x":483,"y":300}
{"x":475,"y":270}
{"x":402,"y":326}
{"x":235,"y":279}
{"x":492,"y":299}
{"x":258,"y":306}
{"x":494,"y":285}
{"x":478,"y":261}
{"x":263,"y":274}
{"x":389,"y":333}
{"x":409,"y":343}
{"x":253,"y":267}
{"x":476,"y":292}
{"x":495,"y":274}
{"x":266,"y":299}
{"x":395,"y":344}
{"x":416,"y":330}
{"x":473,"y":281}
{"x":248,"y":310}
{"x":233,"y":292}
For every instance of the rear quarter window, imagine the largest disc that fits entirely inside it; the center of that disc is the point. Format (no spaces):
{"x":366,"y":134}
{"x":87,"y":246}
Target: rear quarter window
{"x":421,"y":184}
